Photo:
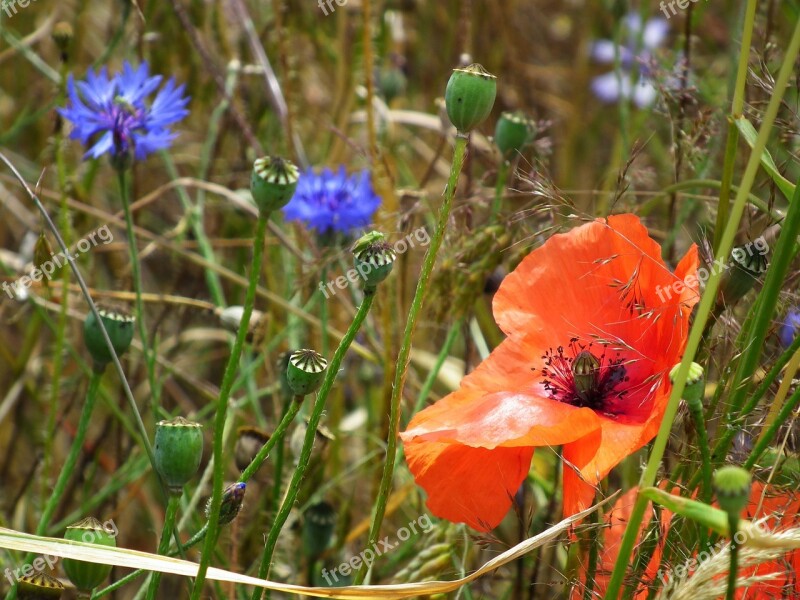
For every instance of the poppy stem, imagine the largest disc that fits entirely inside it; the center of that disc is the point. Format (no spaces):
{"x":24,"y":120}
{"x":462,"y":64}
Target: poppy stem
{"x":163,"y":546}
{"x":401,"y":369}
{"x":733,"y":525}
{"x":228,"y":379}
{"x":708,"y":299}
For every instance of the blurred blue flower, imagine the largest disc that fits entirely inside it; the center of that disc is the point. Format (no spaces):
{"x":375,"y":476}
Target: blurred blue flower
{"x":789,"y":328}
{"x":633,"y":81}
{"x":116,"y":110}
{"x":333,"y":202}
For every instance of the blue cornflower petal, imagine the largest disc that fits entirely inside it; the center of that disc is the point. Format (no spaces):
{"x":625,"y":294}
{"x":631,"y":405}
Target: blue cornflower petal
{"x":136,"y":85}
{"x":789,"y":328}
{"x":634,"y":58}
{"x":118,"y":111}
{"x":333,"y":202}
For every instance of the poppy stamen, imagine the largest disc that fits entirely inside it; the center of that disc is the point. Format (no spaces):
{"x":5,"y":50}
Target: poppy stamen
{"x":583,"y":379}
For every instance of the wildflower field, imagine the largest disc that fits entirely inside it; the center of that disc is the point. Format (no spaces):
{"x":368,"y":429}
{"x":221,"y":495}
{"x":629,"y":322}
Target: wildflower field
{"x":401,"y":299}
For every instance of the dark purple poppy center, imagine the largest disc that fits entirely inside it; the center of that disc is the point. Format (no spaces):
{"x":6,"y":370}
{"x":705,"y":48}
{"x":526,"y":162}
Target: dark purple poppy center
{"x":581,"y":378}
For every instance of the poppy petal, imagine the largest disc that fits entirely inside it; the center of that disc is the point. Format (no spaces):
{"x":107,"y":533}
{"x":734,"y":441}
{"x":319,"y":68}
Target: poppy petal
{"x":475,"y":486}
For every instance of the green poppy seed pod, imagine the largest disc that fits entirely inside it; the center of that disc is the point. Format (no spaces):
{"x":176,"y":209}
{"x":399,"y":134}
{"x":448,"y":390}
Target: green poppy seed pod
{"x":391,"y":82}
{"x":373,"y":259}
{"x":732,"y":486}
{"x":748,"y":264}
{"x":178,"y":451}
{"x":120,"y":329}
{"x":305,"y":371}
{"x":85,"y":575}
{"x":695,"y":387}
{"x":513,"y":132}
{"x":232,"y":499}
{"x":319,"y":523}
{"x":273,"y":182}
{"x":39,"y":586}
{"x":584,"y":371}
{"x":469,"y":97}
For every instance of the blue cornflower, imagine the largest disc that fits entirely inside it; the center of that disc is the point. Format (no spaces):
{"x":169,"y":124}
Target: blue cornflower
{"x":634,"y":79}
{"x":331,"y":202}
{"x":117,"y":111}
{"x":789,"y":328}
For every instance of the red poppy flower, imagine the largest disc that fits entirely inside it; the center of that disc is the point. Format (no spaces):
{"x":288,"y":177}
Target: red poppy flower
{"x":594,"y":321}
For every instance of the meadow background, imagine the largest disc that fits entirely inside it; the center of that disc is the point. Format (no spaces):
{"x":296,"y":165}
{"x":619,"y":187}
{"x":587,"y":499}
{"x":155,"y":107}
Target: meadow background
{"x":240,"y":60}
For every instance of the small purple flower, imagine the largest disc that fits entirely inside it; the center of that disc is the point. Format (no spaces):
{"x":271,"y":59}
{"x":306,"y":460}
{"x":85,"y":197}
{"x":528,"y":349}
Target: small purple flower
{"x":633,"y":81}
{"x":116,"y":110}
{"x":331,"y":202}
{"x":789,"y":328}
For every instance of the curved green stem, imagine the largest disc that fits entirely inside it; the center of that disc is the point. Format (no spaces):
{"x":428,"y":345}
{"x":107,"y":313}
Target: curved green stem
{"x":308,"y":442}
{"x":704,"y":310}
{"x":696,"y":410}
{"x":228,"y":379}
{"x":72,"y":458}
{"x":405,"y":349}
{"x":163,"y":546}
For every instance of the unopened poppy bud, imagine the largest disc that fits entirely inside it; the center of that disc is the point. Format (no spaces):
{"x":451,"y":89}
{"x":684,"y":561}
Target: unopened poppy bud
{"x":747,"y":266}
{"x":39,"y":586}
{"x":695,"y":384}
{"x":469,"y":97}
{"x":232,"y":499}
{"x":513,"y":132}
{"x":120,"y":330}
{"x":318,"y":525}
{"x":62,"y":36}
{"x":584,"y":371}
{"x":305,"y":371}
{"x":374,"y":259}
{"x":732,"y":486}
{"x":273,"y":182}
{"x":178,"y":451}
{"x":86,"y":575}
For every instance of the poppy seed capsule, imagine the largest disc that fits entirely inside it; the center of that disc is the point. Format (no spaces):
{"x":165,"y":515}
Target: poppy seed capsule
{"x":513,"y":132}
{"x":305,"y":371}
{"x":178,"y":451}
{"x":695,"y":384}
{"x":120,"y":330}
{"x":318,"y":526}
{"x":748,"y":265}
{"x":374,"y":259}
{"x":273,"y":182}
{"x":85,"y":575}
{"x":732,"y":486}
{"x":39,"y":586}
{"x":584,"y":371}
{"x":469,"y":97}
